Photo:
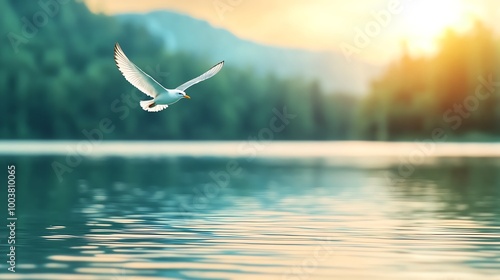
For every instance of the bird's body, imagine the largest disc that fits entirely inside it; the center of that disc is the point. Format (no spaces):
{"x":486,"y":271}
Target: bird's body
{"x":162,"y":97}
{"x":162,"y":100}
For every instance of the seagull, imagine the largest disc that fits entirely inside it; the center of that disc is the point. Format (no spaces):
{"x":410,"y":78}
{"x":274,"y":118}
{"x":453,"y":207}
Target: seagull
{"x":162,"y":97}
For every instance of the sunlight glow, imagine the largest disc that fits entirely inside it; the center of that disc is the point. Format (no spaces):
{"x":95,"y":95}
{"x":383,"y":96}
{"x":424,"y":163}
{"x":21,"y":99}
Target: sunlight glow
{"x":327,"y":24}
{"x":425,"y":20}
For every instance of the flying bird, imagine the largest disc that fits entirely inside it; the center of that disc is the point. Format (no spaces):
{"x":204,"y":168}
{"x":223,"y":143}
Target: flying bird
{"x":162,"y":97}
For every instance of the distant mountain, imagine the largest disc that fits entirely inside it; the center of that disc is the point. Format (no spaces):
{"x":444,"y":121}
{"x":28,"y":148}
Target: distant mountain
{"x":197,"y":37}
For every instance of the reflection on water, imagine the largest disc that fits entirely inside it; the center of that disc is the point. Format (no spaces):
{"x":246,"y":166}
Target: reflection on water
{"x":168,"y":218}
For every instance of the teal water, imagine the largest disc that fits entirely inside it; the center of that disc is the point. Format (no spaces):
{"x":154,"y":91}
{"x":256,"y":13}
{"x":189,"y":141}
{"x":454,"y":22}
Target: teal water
{"x":202,"y":213}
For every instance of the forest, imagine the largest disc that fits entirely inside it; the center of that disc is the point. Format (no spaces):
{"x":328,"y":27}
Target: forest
{"x":58,"y":80}
{"x":457,"y":90}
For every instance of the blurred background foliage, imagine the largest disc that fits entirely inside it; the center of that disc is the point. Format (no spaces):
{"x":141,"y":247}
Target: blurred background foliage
{"x":457,"y":89}
{"x":62,"y":79}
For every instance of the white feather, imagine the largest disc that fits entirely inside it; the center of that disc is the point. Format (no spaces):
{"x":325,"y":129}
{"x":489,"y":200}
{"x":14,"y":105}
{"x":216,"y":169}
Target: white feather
{"x":207,"y":75}
{"x":135,"y":75}
{"x":145,"y":105}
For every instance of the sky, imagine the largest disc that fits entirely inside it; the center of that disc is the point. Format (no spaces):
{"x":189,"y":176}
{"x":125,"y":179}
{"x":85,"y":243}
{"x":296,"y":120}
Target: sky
{"x":371,"y":30}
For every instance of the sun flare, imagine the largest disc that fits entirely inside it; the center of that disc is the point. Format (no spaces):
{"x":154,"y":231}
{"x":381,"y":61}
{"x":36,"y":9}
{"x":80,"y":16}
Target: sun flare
{"x":425,"y":20}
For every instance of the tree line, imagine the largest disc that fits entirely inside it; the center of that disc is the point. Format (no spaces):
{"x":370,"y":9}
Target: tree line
{"x":58,"y":80}
{"x":457,"y":90}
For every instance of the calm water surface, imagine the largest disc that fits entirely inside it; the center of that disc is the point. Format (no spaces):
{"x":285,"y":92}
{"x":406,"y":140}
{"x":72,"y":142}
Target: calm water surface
{"x":202,"y":216}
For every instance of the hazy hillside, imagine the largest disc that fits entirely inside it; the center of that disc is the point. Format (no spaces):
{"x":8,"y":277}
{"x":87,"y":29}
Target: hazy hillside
{"x":182,"y":33}
{"x":61,"y":82}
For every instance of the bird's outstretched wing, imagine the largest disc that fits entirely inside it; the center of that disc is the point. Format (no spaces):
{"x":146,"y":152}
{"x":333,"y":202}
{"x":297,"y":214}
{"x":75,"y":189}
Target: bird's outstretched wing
{"x":209,"y":74}
{"x":135,"y":75}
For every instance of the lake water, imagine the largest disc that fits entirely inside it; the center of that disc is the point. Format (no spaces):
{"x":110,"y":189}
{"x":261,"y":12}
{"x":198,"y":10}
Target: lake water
{"x":236,"y":210}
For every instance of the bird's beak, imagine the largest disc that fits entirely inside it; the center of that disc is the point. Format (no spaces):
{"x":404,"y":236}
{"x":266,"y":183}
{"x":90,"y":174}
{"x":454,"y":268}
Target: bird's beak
{"x":187,"y":96}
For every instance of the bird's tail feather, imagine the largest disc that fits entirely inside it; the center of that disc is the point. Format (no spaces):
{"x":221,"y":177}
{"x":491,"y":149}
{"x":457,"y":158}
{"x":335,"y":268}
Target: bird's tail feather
{"x":146,"y":104}
{"x":151,"y":106}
